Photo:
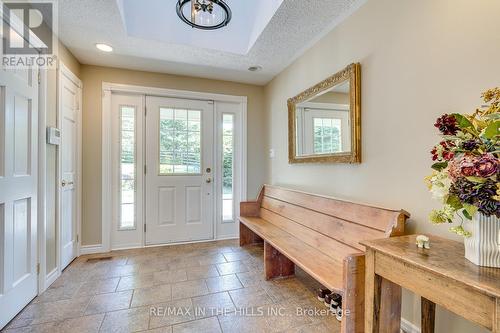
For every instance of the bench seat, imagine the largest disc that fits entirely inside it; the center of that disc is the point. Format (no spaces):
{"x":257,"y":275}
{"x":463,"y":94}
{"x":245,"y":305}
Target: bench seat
{"x":322,"y":236}
{"x":311,"y":260}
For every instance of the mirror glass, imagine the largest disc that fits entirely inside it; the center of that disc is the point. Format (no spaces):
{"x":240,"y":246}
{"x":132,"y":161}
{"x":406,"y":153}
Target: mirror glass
{"x":322,"y":123}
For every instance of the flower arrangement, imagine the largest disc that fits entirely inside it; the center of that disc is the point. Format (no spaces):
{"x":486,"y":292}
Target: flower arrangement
{"x":466,"y":164}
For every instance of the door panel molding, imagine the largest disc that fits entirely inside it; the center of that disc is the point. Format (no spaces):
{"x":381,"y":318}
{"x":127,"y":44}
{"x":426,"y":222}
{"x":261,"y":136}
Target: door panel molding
{"x":107,"y":170}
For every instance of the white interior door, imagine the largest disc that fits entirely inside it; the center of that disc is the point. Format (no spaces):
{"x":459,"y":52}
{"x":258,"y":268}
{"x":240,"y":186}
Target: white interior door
{"x":69,"y":104}
{"x":179,"y":163}
{"x":18,"y":190}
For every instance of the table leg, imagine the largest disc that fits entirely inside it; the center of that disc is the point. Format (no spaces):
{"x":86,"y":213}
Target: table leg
{"x":496,"y":318}
{"x":390,"y":309}
{"x":428,"y":315}
{"x":373,"y":289}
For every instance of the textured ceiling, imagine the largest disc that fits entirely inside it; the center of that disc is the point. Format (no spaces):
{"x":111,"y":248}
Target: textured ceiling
{"x":296,"y":26}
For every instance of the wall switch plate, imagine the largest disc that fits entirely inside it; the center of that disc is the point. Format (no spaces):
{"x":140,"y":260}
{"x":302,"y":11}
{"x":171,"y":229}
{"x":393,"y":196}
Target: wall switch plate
{"x":53,"y":136}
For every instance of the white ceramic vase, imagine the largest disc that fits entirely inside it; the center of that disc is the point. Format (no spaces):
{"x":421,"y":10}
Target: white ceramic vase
{"x":483,"y":247}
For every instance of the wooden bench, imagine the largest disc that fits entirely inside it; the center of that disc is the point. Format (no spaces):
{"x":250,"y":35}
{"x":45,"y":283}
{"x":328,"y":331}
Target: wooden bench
{"x":322,"y":236}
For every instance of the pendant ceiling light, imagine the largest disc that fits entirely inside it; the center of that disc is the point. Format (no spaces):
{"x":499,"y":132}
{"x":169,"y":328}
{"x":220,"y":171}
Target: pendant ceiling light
{"x":204,"y":14}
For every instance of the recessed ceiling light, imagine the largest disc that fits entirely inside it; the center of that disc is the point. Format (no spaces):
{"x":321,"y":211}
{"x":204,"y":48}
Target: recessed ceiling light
{"x":104,"y":47}
{"x":254,"y":68}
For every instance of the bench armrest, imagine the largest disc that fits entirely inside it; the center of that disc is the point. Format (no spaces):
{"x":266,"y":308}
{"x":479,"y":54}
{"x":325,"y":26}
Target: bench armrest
{"x":250,"y":209}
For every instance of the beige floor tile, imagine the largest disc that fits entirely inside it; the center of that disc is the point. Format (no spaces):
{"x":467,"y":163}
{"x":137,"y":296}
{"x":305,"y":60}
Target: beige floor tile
{"x":184,"y":262}
{"x":238,"y":323}
{"x":131,"y":320}
{"x":152,"y":295}
{"x":136,"y":281}
{"x":283,"y":317}
{"x":57,"y":294}
{"x":320,"y":327}
{"x":216,"y":258}
{"x":109,"y":302}
{"x":41,"y":328}
{"x":206,"y":325}
{"x":223,"y":283}
{"x":189,"y":289}
{"x":251,"y":278}
{"x":38,"y":313}
{"x":170,"y":313}
{"x":236,"y":256}
{"x":170,"y":276}
{"x":97,"y":287}
{"x":87,"y":324}
{"x":232,"y":267}
{"x":251,"y":296}
{"x":147,"y":280}
{"x":214,"y":304}
{"x":166,"y":329}
{"x":201,"y":272}
{"x":281,"y":290}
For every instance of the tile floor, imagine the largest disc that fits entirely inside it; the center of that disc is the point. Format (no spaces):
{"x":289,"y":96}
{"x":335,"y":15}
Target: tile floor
{"x":204,"y":287}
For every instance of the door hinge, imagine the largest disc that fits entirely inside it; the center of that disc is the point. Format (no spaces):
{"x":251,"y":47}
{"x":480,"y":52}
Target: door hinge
{"x":144,"y":227}
{"x":145,"y":111}
{"x":77,"y":239}
{"x":145,"y":169}
{"x":38,"y":269}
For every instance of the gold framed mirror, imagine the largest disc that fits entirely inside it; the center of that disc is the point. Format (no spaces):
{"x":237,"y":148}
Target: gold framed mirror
{"x":324,"y":121}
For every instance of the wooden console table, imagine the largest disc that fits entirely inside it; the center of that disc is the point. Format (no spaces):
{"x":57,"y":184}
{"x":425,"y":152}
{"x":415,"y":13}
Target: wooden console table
{"x":440,"y":275}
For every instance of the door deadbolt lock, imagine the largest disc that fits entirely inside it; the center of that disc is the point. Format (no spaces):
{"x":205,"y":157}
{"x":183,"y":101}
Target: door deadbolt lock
{"x":208,"y":170}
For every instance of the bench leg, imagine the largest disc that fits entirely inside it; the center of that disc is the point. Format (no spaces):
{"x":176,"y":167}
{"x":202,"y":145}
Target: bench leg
{"x":353,"y":302}
{"x":275,"y":264}
{"x":248,"y":237}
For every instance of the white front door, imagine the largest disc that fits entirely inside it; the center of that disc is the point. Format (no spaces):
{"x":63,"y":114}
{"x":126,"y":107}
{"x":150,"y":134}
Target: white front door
{"x":18,"y":190}
{"x":69,"y":113}
{"x":179,"y":176}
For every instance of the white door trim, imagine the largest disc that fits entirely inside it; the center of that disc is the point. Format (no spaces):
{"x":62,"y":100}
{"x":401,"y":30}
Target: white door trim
{"x":63,"y":70}
{"x":107,"y":89}
{"x":43,"y":280}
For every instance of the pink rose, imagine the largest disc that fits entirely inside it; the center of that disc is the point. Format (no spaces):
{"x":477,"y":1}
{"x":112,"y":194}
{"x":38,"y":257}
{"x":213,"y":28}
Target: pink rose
{"x":486,"y":166}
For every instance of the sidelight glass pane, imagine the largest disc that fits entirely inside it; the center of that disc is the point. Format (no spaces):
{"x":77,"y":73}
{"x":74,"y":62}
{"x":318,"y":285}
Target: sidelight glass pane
{"x":327,"y":135}
{"x":227,"y":167}
{"x":127,"y":168}
{"x":180,"y":141}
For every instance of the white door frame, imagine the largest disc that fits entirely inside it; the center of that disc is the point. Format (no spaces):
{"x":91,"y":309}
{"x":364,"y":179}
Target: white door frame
{"x":44,"y":280}
{"x":107,"y":169}
{"x":63,"y":70}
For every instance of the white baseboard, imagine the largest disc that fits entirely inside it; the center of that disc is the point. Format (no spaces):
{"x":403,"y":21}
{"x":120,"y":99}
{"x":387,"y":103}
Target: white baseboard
{"x":91,"y":249}
{"x":408,"y":327}
{"x":127,"y":247}
{"x":229,"y":237}
{"x":51,"y":278}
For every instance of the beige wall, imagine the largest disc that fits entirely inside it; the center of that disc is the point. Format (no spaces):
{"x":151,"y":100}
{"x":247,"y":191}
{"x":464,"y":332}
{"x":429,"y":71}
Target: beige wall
{"x":93,"y":77}
{"x":419,"y":59}
{"x":51,"y":163}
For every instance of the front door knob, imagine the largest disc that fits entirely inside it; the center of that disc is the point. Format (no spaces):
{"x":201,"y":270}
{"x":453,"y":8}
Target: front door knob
{"x":209,"y":180}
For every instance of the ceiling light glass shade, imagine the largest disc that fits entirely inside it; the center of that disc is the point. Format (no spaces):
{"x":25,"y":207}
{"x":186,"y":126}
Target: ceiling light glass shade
{"x":204,"y":14}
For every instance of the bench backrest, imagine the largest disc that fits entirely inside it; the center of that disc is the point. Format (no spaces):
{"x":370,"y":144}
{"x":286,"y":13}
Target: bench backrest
{"x":333,"y":226}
